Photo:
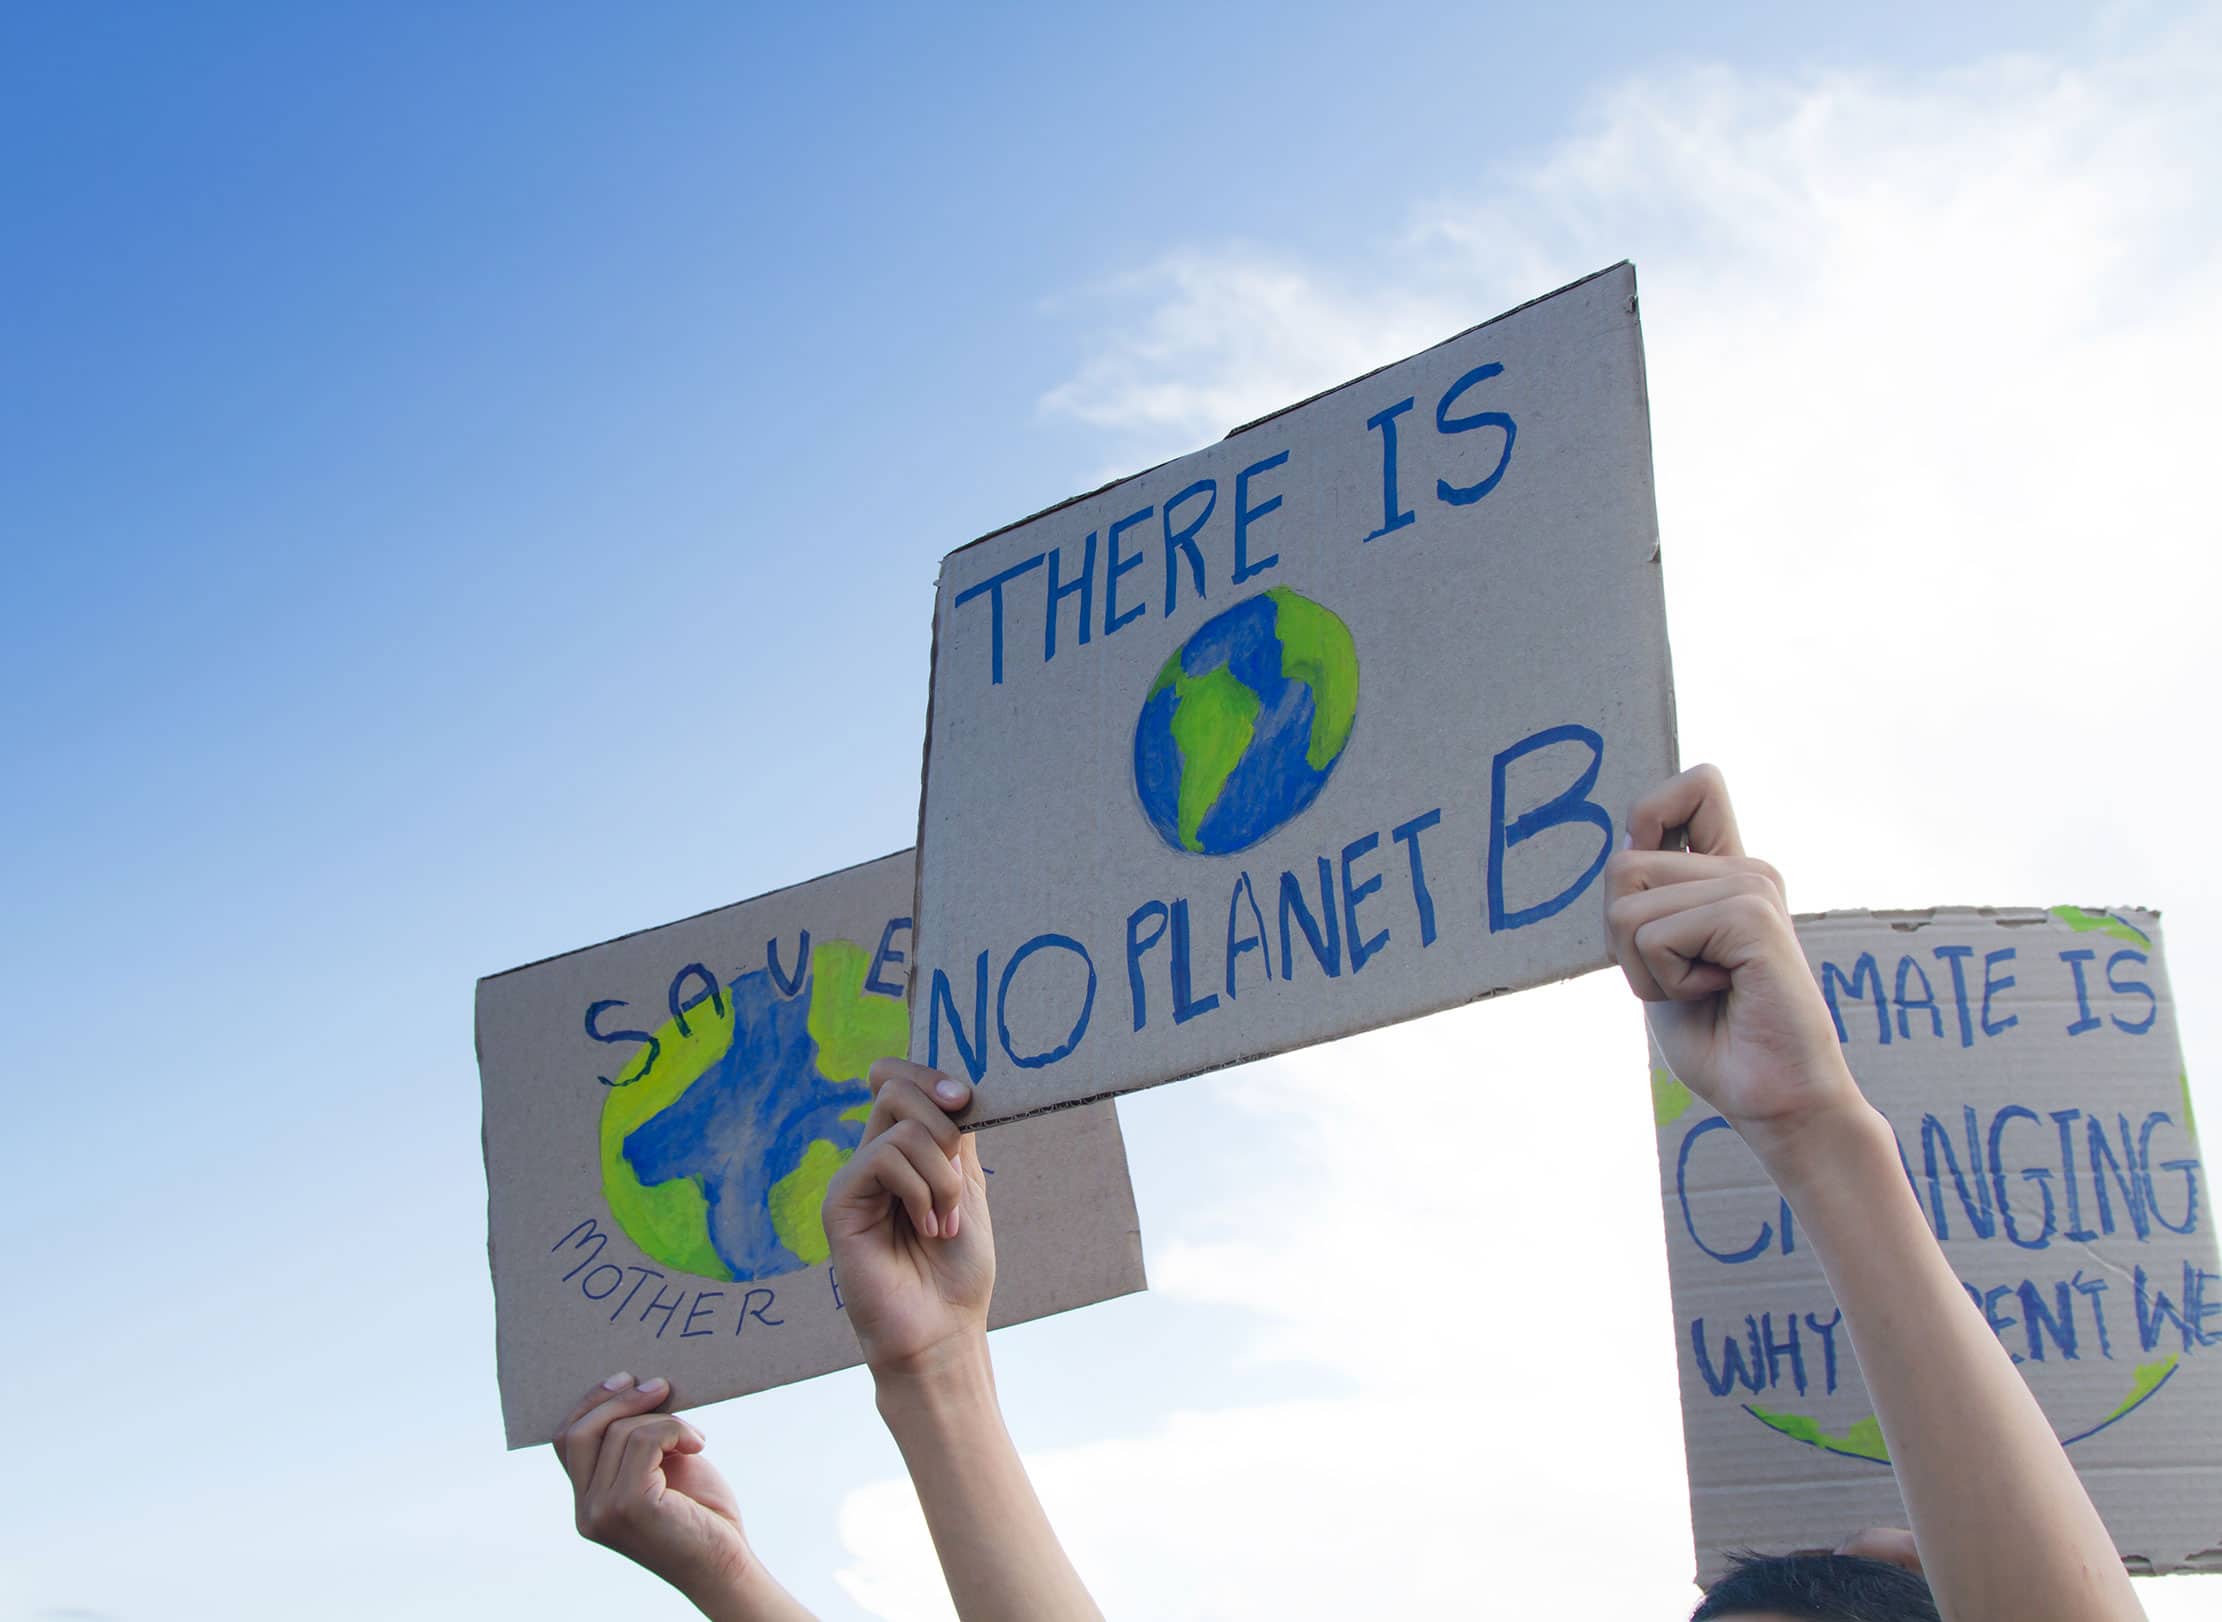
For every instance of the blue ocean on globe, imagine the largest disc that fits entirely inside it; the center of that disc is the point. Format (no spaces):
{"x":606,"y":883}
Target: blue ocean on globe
{"x":744,"y":1126}
{"x":1245,"y":723}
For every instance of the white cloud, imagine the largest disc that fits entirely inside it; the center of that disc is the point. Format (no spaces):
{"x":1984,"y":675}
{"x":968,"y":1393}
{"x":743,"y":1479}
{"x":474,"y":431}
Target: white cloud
{"x":1932,"y":370}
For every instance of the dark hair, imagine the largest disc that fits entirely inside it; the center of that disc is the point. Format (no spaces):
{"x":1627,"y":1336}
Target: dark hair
{"x":1819,"y":1588}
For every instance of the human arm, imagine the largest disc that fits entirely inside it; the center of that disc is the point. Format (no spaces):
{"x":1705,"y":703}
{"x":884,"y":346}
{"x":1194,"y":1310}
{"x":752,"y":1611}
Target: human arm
{"x":2004,"y":1527}
{"x":641,"y":1485}
{"x":914,"y":1250}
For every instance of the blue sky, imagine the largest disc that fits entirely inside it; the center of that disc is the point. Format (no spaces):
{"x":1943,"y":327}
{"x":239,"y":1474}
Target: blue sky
{"x":474,"y":485}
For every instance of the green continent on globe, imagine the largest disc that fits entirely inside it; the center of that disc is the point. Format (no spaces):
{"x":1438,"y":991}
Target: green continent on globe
{"x":778,"y":1178}
{"x":1212,"y":725}
{"x":1315,"y":650}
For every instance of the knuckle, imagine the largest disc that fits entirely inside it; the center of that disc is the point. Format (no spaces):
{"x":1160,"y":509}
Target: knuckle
{"x":1752,"y":907}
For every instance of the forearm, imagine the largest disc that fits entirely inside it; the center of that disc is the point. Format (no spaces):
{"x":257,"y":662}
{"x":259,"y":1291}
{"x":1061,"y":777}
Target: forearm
{"x":751,"y":1594}
{"x":998,"y":1551}
{"x":2004,"y":1527}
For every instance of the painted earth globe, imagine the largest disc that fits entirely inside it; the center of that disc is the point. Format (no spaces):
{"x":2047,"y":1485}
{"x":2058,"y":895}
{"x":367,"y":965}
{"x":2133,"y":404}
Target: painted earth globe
{"x":718,"y":1141}
{"x":1245,"y":723}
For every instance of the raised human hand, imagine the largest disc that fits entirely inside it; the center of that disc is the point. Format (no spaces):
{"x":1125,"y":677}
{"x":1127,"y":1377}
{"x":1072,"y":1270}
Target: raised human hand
{"x":907,"y":1218}
{"x":641,"y":1485}
{"x":1704,"y":936}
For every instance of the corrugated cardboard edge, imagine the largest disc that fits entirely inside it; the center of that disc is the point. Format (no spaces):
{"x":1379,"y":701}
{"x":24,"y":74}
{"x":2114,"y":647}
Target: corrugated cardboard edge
{"x":1910,"y":919}
{"x":933,"y":661}
{"x":1673,"y":716}
{"x":502,"y":1382}
{"x":1913,"y":918}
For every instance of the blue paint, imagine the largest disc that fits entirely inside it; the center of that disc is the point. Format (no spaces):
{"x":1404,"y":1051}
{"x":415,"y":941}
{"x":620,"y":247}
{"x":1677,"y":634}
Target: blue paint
{"x":2131,"y":987}
{"x":1245,"y":515}
{"x":1186,"y":1004}
{"x":1992,"y":985}
{"x":1116,"y":566}
{"x":1735,"y":1368}
{"x":1060,"y":589}
{"x":1571,"y":805}
{"x":594,"y":1012}
{"x":1041,"y":943}
{"x":883,"y":957}
{"x":1237,"y":944}
{"x":1955,"y":958}
{"x":2039,"y":1175}
{"x":2085,"y":1020}
{"x":940,"y":1001}
{"x":702,"y":1300}
{"x":1465,"y":495}
{"x":1408,"y":834}
{"x":1392,"y":518}
{"x":993,"y":587}
{"x":1181,"y":542}
{"x":1750,"y":1252}
{"x":1136,"y":945}
{"x":681,"y":1008}
{"x":1925,"y":1003}
{"x":789,"y":984}
{"x":1362,"y":947}
{"x":1327,"y":948}
{"x":1275,"y":780}
{"x":1864,"y":972}
{"x":745,"y":1123}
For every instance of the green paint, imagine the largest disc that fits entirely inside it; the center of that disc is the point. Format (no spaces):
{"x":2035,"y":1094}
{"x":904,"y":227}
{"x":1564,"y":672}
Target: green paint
{"x":2104,"y":922}
{"x":1863,"y":1439}
{"x":851,"y":1026}
{"x":1316,"y":650}
{"x":797,"y":1202}
{"x":1669,"y":1098}
{"x":1213,"y":721}
{"x":2141,"y":1386}
{"x":670,"y":1221}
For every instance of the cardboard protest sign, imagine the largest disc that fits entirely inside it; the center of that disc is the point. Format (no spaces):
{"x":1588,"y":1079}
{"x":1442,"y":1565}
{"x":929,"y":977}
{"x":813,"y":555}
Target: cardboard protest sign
{"x":663,"y":1113}
{"x":2028,"y":1062}
{"x":1324,"y":726}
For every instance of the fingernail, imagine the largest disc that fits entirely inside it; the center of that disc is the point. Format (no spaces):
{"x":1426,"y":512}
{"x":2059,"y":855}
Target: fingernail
{"x":649,"y":1388}
{"x":617,"y":1382}
{"x":1627,"y":838}
{"x":956,"y":1215}
{"x":949,"y":1090}
{"x":930,"y":1227}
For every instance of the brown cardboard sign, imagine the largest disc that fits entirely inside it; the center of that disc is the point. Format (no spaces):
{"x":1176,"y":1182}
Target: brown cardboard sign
{"x":1322,"y":727}
{"x":2029,"y":1064}
{"x":662,"y":1115}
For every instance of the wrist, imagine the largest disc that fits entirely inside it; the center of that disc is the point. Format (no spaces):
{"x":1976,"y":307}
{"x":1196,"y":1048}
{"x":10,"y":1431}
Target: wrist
{"x":952,"y":1379}
{"x":1845,"y":1140}
{"x":738,"y":1589}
